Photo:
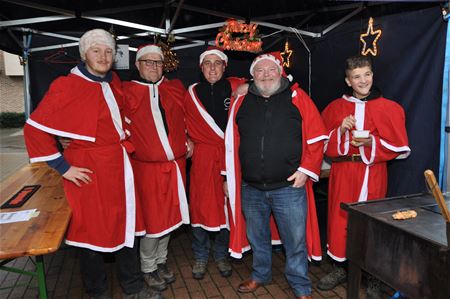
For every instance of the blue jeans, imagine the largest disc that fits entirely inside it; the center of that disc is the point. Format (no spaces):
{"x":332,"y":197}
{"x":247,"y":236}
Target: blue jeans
{"x":288,"y":206}
{"x":201,"y":244}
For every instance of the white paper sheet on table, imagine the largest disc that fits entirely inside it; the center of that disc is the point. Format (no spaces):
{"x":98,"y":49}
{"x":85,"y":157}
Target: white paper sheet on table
{"x":18,"y":216}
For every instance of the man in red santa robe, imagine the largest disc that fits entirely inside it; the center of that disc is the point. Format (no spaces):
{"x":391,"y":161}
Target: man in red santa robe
{"x":358,"y":171}
{"x":155,"y":117}
{"x":274,"y":142}
{"x":206,"y":106}
{"x":98,"y":180}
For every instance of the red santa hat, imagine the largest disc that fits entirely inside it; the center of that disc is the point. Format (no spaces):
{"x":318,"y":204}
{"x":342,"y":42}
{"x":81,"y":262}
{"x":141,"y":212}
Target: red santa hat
{"x":216,"y":51}
{"x":274,"y":57}
{"x":149,"y":48}
{"x":96,"y":37}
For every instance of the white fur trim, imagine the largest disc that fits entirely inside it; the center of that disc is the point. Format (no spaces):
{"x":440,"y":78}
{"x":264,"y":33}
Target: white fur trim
{"x":339,"y":259}
{"x":153,"y":93}
{"x":325,"y":147}
{"x":208,"y":118}
{"x":397,"y":149}
{"x":130,"y":201}
{"x":309,"y":173}
{"x":346,"y":142}
{"x":45,"y":158}
{"x":217,"y":52}
{"x":316,"y":139}
{"x":164,"y":232}
{"x":315,"y":258}
{"x":266,"y":57}
{"x":211,"y":228}
{"x":58,"y":132}
{"x":229,"y":160}
{"x":182,"y":199}
{"x":238,"y":255}
{"x":149,"y":49}
{"x":372,"y":152}
{"x":96,"y":248}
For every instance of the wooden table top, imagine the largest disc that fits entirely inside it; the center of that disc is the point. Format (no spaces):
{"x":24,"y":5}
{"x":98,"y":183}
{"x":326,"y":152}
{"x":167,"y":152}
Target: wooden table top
{"x":42,"y":234}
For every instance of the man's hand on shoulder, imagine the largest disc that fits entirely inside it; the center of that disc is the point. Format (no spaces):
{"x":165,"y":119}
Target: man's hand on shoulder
{"x":241,"y":90}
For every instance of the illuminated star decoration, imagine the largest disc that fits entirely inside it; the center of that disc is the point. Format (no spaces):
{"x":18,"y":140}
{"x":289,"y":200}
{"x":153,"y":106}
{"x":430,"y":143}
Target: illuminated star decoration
{"x":286,"y":55}
{"x":369,"y":34}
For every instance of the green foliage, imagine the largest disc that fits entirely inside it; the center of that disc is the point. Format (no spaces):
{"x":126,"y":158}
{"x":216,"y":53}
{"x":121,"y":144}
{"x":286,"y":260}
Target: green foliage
{"x":12,"y":120}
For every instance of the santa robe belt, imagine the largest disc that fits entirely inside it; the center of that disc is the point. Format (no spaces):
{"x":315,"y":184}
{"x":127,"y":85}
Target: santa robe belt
{"x":352,"y":158}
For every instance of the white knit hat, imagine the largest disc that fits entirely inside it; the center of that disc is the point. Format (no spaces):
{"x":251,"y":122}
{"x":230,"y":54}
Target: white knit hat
{"x":150,"y":48}
{"x":96,"y":37}
{"x":215,"y":51}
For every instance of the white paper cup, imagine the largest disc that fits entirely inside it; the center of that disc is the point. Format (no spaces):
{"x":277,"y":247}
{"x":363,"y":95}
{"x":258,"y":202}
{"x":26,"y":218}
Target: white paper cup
{"x":360,"y":133}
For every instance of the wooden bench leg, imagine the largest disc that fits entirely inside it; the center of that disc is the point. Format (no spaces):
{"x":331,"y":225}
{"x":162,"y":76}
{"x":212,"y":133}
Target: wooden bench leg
{"x":41,"y":276}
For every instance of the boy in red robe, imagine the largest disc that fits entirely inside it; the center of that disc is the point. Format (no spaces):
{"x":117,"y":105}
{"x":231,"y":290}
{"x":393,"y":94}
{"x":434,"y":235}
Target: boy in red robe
{"x":359,"y":163}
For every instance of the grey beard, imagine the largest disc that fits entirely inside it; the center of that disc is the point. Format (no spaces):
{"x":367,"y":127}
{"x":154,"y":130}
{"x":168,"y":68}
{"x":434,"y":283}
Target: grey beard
{"x":267,"y":92}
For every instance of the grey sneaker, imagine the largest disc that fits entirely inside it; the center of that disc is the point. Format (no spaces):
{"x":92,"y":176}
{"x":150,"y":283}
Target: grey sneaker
{"x":332,"y":279}
{"x":224,"y":267}
{"x":145,"y":293}
{"x":154,"y":281}
{"x":199,"y":269}
{"x":373,"y":288}
{"x":165,"y":273}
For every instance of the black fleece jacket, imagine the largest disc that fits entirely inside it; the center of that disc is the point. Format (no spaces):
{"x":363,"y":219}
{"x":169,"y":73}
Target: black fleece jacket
{"x":216,"y":99}
{"x":270,"y":138}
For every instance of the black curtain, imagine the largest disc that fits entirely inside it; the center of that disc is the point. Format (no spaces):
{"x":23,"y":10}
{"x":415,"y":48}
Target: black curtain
{"x":408,"y":69}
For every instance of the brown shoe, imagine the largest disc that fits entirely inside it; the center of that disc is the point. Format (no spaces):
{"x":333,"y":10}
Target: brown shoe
{"x":304,"y":297}
{"x":248,"y":286}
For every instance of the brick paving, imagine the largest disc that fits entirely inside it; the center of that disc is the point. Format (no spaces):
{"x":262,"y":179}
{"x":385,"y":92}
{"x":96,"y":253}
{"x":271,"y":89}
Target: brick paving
{"x":64,"y":281}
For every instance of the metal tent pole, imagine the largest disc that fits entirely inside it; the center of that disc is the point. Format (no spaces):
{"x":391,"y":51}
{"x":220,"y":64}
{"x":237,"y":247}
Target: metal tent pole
{"x":26,"y":77}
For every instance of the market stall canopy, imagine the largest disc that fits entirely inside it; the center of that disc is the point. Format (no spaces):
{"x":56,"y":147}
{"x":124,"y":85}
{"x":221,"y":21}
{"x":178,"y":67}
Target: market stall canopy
{"x":188,"y":23}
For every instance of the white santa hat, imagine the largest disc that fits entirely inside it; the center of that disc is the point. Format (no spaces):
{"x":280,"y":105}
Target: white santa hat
{"x":216,"y":51}
{"x":147,"y":49}
{"x":96,"y":37}
{"x":275,"y":57}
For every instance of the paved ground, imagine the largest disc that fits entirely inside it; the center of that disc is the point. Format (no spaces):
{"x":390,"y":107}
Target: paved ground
{"x":62,"y":267}
{"x":12,"y":152}
{"x":63,"y":277}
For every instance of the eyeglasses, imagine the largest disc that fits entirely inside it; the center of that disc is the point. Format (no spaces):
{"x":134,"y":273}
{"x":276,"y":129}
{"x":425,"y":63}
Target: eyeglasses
{"x":149,"y":62}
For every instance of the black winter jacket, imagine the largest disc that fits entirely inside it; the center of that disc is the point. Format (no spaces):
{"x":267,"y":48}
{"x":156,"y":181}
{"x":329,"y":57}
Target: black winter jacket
{"x":270,"y":138}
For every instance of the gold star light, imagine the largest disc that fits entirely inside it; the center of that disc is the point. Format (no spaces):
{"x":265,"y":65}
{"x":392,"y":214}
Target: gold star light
{"x":286,"y":55}
{"x":370,"y":34}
